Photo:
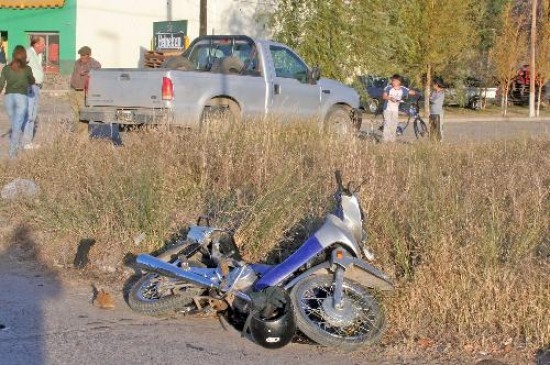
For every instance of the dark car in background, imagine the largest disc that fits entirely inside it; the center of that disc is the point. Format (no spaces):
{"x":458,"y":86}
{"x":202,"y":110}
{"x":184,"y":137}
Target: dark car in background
{"x":371,"y":89}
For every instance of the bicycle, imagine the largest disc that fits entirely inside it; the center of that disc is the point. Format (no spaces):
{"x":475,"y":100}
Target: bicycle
{"x":419,"y":126}
{"x":412,"y":110}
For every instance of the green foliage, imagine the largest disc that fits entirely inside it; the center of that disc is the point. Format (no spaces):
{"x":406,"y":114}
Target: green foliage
{"x":342,"y":38}
{"x":509,"y":49}
{"x":382,"y":37}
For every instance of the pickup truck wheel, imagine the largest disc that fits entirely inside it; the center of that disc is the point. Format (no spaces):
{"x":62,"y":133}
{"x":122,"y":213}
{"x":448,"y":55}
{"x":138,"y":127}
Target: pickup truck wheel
{"x":338,"y":121}
{"x":178,"y":63}
{"x":220,"y":113}
{"x":373,"y":105}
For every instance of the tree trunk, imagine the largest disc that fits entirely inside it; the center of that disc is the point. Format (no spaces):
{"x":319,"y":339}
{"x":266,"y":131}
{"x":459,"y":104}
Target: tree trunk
{"x":533,"y":66}
{"x":427,"y":89}
{"x":505,"y":106}
{"x":203,"y":18}
{"x":541,"y":85}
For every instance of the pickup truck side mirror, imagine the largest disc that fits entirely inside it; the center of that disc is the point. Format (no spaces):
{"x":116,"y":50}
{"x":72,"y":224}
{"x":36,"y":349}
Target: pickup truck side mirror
{"x":314,"y":75}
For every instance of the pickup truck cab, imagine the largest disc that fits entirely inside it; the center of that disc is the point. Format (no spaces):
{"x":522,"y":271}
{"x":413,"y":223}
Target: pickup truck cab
{"x":237,"y":76}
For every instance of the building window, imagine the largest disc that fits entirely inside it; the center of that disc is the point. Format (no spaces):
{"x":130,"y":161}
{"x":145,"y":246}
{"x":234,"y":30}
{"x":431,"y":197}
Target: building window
{"x":50,"y":57}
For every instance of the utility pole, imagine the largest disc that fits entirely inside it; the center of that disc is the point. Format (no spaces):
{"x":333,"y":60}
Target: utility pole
{"x":533,"y":66}
{"x":169,"y":10}
{"x":203,"y":18}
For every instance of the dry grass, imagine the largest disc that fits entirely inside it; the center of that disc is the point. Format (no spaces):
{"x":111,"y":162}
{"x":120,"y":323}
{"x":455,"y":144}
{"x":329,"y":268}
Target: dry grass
{"x":464,"y":230}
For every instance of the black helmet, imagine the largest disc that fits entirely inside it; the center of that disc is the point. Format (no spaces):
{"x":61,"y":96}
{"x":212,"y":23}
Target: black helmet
{"x":272,"y":321}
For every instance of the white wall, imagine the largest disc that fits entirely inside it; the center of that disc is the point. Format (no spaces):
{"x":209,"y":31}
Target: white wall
{"x":120,"y":31}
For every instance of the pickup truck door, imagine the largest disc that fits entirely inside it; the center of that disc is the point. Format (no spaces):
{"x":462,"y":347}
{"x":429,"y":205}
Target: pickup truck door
{"x":291,"y":94}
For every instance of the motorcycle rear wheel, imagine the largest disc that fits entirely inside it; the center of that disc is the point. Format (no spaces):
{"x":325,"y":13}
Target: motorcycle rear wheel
{"x":152,"y":295}
{"x":361,"y":323}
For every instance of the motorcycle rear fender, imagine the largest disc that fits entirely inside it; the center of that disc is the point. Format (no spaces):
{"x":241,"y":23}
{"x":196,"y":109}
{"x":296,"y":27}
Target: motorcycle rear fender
{"x":334,"y":231}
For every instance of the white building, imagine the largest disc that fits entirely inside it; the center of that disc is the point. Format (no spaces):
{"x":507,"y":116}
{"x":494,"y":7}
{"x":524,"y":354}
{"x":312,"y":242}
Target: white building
{"x":119,"y":32}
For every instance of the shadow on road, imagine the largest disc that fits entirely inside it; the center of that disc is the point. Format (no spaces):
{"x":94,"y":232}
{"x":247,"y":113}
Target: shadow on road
{"x":24,"y":295}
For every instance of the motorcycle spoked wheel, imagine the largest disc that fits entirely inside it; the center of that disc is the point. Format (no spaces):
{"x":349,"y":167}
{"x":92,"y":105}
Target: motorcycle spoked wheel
{"x":156,"y":295}
{"x":361,"y":322}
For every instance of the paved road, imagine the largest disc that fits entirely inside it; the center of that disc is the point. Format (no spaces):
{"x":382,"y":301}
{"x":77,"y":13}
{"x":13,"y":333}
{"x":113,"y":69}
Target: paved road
{"x":51,"y":321}
{"x":481,"y":130}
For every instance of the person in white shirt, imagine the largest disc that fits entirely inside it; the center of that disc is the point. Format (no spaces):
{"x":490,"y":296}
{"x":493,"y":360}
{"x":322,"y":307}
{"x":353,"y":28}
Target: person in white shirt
{"x":34,"y":58}
{"x":393,"y":95}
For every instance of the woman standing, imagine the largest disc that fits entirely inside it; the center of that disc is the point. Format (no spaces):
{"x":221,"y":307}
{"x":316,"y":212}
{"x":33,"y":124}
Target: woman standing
{"x":17,"y":78}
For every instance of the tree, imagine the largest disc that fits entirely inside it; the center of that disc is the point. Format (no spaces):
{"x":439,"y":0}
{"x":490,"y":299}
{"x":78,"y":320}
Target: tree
{"x":342,"y":37}
{"x":487,"y":20}
{"x":440,"y":35}
{"x":543,"y":51}
{"x":509,"y":50}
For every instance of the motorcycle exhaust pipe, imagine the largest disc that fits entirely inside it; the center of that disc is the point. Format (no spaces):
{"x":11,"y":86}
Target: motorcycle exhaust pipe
{"x":158,"y":266}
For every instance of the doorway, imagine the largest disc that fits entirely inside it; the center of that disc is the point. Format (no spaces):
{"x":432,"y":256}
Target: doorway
{"x":50,"y":57}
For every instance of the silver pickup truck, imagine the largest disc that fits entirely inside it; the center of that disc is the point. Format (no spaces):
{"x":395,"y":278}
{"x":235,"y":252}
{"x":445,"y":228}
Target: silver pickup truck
{"x":237,"y":76}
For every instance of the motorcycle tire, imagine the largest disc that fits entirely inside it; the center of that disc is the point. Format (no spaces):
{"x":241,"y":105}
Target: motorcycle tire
{"x":314,"y":320}
{"x":162,"y":305}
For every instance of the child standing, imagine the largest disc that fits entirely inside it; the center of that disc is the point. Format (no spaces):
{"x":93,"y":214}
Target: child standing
{"x":393,"y":95}
{"x":437,"y":97}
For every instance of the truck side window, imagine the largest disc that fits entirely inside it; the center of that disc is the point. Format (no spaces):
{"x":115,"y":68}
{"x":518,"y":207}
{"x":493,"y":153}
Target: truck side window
{"x":288,"y":65}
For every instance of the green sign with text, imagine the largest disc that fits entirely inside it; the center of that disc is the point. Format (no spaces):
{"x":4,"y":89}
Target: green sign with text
{"x":169,"y":34}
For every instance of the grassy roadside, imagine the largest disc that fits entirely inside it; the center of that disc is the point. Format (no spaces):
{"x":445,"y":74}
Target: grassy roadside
{"x":464,"y":230}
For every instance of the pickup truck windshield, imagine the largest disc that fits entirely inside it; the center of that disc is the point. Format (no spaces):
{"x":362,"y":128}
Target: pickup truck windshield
{"x":288,"y":65}
{"x":206,"y":52}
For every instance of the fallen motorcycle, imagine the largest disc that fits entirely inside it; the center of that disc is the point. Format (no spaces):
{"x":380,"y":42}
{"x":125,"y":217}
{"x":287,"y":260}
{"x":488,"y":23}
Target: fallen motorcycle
{"x":325,"y":288}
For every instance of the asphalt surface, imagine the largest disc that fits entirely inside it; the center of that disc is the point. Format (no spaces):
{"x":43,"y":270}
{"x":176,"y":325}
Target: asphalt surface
{"x":464,"y":131}
{"x":49,"y":320}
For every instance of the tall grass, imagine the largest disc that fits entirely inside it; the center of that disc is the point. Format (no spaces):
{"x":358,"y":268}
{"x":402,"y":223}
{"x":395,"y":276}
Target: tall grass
{"x":463,"y":229}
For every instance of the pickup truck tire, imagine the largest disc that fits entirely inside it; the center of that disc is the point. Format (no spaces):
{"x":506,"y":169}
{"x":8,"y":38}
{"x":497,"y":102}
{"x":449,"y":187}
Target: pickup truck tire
{"x":178,"y":63}
{"x":221,"y":113}
{"x":338,"y":120}
{"x":373,"y":105}
{"x":232,"y":65}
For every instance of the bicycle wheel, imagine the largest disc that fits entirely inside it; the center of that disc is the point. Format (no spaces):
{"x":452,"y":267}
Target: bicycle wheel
{"x":420,"y":128}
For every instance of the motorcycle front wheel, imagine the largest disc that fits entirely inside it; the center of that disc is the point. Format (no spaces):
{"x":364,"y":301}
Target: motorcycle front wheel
{"x":155,"y":294}
{"x":361,"y":320}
